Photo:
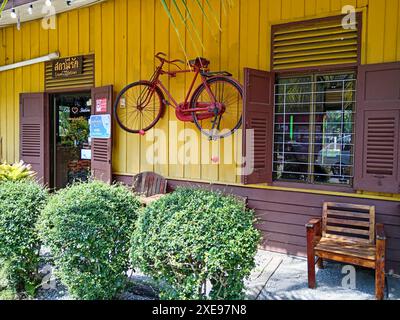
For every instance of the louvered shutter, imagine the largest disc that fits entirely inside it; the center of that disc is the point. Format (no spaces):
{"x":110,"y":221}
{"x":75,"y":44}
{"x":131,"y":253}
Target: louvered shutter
{"x":102,"y":148}
{"x":34,"y":133}
{"x":377,"y":165}
{"x":314,"y":43}
{"x":258,"y":112}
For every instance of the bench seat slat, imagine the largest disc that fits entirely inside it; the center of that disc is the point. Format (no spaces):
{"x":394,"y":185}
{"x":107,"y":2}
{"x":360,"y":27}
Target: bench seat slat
{"x":359,"y":250}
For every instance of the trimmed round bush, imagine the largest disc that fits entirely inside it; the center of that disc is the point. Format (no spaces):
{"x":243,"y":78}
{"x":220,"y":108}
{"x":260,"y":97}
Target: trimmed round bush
{"x":197,"y":244}
{"x":87,"y":227}
{"x":20,"y":206}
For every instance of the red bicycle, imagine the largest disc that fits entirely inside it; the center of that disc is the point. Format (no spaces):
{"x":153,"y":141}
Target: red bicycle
{"x":215,"y":106}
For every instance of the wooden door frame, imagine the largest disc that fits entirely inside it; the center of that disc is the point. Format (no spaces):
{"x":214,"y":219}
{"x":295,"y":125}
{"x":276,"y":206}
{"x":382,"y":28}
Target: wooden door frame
{"x":51,"y":153}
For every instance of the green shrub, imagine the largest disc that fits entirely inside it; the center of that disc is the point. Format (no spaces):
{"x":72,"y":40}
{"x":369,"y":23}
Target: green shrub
{"x":6,"y":290}
{"x":15,"y":172}
{"x":192,"y":236}
{"x":87,"y":227}
{"x":20,"y":206}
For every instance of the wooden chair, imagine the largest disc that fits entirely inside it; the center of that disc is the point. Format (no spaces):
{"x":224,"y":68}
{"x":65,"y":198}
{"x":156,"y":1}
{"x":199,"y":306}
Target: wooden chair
{"x":347,"y":233}
{"x":149,"y":184}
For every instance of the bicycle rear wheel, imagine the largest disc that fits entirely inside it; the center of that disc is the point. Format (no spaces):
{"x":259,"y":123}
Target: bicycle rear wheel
{"x":229,"y":94}
{"x":138,"y":107}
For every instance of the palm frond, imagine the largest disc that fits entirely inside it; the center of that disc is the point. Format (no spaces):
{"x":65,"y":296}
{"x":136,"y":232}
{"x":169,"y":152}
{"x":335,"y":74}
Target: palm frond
{"x":3,"y":5}
{"x":214,"y":14}
{"x":193,"y":23}
{"x":171,"y":18}
{"x":184,"y":20}
{"x":205,"y":17}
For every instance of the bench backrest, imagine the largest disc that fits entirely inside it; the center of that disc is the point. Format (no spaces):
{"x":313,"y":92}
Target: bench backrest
{"x":149,"y":184}
{"x":348,"y":222}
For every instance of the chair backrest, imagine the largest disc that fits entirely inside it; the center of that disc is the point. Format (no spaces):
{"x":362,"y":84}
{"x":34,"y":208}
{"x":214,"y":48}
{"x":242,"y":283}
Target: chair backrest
{"x":350,"y":222}
{"x":149,"y":184}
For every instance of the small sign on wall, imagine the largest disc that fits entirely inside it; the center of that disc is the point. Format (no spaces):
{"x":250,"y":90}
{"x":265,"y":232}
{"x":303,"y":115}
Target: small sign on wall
{"x":100,"y":126}
{"x":67,"y":67}
{"x":101,"y":105}
{"x":86,"y":154}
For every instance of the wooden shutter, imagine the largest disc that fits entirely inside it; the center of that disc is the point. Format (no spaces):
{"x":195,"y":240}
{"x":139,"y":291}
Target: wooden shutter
{"x":34,"y":133}
{"x":318,"y":42}
{"x":102,"y":148}
{"x":258,"y":112}
{"x":377,"y":166}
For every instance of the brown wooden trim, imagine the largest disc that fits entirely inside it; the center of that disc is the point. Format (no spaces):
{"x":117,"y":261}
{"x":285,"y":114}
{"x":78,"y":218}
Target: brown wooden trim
{"x":276,"y":27}
{"x":124,"y":178}
{"x":289,"y":184}
{"x":282,"y":216}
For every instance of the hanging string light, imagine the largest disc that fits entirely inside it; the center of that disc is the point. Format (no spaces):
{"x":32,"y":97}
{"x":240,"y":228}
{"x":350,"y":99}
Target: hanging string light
{"x":20,"y":11}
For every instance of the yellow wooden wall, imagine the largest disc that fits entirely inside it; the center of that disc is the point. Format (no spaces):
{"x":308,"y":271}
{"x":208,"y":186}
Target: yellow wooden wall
{"x":124,"y":35}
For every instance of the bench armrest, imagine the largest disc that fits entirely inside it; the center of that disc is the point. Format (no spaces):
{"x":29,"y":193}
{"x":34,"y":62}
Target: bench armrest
{"x":380,"y":232}
{"x":314,"y":226}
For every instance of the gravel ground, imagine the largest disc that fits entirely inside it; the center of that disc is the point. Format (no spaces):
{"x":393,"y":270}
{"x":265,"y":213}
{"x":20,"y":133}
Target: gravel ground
{"x":289,"y":282}
{"x":276,"y":277}
{"x":139,"y":287}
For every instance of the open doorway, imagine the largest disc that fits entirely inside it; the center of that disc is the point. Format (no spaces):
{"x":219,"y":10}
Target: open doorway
{"x":70,"y":151}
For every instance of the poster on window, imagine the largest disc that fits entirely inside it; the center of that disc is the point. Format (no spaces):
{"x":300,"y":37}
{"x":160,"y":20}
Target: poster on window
{"x":100,"y":126}
{"x":101,"y":105}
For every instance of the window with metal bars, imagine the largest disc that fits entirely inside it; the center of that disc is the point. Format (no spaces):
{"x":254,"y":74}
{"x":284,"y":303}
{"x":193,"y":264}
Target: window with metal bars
{"x":314,"y":128}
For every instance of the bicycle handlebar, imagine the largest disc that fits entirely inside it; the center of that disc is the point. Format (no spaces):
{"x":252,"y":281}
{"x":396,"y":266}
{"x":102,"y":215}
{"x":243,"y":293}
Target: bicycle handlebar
{"x":160,"y":56}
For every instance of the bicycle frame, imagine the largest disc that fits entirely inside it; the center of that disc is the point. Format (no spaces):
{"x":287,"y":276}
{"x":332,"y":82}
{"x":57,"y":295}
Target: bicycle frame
{"x":183,"y":110}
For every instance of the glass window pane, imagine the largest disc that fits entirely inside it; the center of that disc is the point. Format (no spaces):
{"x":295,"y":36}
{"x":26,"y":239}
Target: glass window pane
{"x":334,"y":123}
{"x":292,"y":129}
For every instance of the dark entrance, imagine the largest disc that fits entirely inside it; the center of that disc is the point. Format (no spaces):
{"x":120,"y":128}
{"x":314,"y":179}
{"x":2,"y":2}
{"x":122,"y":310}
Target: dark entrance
{"x":70,"y":152}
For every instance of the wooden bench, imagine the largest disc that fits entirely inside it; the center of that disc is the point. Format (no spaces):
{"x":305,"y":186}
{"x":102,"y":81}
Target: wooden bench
{"x":347,"y":233}
{"x":150,"y":186}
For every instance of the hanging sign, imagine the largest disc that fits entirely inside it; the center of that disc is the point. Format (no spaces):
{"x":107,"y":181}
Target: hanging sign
{"x":101,"y":105}
{"x":67,"y":67}
{"x":100,"y":126}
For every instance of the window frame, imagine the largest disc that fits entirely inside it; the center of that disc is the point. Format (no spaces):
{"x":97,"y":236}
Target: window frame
{"x":313,"y":70}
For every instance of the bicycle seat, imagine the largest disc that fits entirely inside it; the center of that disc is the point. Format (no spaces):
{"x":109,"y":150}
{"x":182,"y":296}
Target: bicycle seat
{"x":199,"y":62}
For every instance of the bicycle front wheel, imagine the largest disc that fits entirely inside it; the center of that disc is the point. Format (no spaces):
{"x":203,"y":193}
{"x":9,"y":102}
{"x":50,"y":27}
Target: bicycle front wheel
{"x":227,"y":93}
{"x":138,"y":107}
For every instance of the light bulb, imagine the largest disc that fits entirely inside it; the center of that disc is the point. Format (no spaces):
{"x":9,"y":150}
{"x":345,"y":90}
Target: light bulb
{"x":30,"y":9}
{"x":48,"y":3}
{"x":13,"y":14}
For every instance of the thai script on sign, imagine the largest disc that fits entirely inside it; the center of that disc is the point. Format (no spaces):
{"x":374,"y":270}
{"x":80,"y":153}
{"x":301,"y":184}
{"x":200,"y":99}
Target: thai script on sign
{"x":67,"y":67}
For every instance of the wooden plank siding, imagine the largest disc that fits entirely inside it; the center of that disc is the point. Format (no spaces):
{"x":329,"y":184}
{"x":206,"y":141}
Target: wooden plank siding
{"x":282,"y":217}
{"x":124,"y":35}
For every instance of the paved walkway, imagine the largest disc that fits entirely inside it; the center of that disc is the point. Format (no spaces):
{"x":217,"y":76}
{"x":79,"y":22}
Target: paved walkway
{"x":282,"y":277}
